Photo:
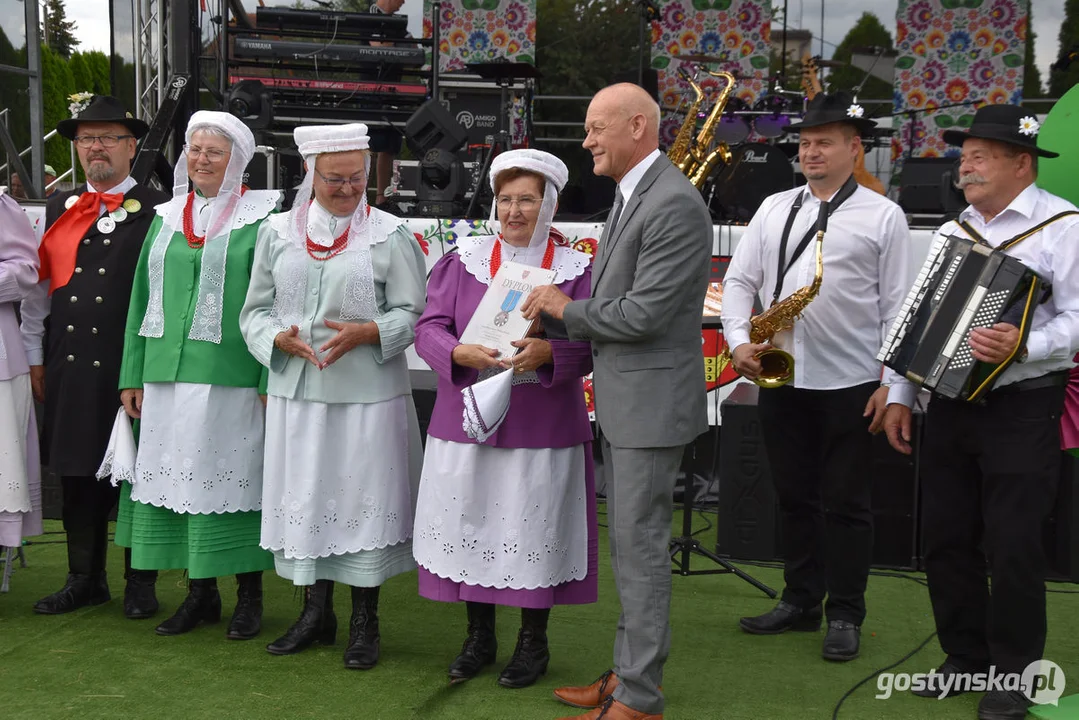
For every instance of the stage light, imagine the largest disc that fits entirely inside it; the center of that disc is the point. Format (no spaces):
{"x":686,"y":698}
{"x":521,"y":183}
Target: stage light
{"x":434,"y":136}
{"x":250,"y":101}
{"x":442,"y":184}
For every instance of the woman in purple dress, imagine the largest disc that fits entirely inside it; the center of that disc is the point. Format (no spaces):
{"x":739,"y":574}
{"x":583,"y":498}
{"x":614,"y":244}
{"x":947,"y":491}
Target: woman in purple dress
{"x":509,"y":520}
{"x":20,"y":470}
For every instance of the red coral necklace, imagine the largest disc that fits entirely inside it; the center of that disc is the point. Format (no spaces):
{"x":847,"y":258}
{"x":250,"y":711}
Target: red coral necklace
{"x":496,"y":256}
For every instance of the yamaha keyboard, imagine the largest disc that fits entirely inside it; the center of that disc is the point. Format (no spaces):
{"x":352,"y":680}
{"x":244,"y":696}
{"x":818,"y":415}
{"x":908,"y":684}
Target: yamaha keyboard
{"x":306,"y":87}
{"x":352,"y":55}
{"x":285,"y":19}
{"x":962,"y":285}
{"x":372,"y":102}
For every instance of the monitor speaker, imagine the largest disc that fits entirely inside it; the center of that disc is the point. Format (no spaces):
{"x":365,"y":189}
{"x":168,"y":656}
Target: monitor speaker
{"x":749,"y":522}
{"x":925,"y":186}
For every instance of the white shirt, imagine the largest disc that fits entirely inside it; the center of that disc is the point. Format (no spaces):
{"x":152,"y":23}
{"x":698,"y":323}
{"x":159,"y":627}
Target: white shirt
{"x":632,"y":179}
{"x":866,"y":252}
{"x":121,"y":189}
{"x":1053,"y":253}
{"x":323,"y":227}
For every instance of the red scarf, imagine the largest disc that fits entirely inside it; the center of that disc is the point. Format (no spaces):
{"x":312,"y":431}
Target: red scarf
{"x":61,"y":241}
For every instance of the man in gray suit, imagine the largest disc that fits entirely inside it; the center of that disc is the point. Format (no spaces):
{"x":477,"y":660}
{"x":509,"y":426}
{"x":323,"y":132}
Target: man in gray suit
{"x":644,"y":321}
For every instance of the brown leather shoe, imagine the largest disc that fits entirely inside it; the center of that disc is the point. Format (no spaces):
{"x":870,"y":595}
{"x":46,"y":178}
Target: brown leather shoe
{"x":591,"y":696}
{"x":614,"y":710}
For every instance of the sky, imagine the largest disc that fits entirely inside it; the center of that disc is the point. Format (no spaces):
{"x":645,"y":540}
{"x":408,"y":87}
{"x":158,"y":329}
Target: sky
{"x":839,"y":16}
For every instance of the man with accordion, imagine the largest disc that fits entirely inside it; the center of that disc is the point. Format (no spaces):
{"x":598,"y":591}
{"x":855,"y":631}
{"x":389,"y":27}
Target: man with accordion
{"x":990,"y":327}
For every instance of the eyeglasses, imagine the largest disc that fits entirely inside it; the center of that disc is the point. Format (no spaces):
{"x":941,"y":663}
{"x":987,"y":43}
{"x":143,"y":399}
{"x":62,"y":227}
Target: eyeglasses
{"x":335,"y":183}
{"x":213,"y":155}
{"x":108,"y":141}
{"x":525,"y":204}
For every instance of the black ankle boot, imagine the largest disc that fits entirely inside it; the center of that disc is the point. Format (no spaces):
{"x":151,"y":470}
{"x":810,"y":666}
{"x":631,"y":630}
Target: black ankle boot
{"x":202,"y":604}
{"x":363,"y":639}
{"x":316,"y":622}
{"x":481,"y":646}
{"x":531,"y":656}
{"x":140,"y":596}
{"x":80,"y":590}
{"x":247,"y":617}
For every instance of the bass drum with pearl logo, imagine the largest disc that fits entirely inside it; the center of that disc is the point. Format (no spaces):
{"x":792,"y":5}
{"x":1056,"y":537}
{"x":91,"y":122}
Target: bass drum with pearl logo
{"x":755,"y":171}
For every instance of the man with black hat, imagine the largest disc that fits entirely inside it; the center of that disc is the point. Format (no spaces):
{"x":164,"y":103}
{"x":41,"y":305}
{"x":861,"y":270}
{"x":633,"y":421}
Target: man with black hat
{"x":88,"y":255}
{"x":989,"y":471}
{"x":816,"y":428}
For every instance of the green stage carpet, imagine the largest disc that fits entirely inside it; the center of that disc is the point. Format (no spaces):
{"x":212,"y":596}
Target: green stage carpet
{"x":96,"y":664}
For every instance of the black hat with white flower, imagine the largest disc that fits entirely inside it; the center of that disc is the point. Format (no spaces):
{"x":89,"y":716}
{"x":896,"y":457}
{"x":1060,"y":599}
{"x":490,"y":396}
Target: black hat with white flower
{"x":87,"y":108}
{"x":1004,"y":123}
{"x":828,"y":108}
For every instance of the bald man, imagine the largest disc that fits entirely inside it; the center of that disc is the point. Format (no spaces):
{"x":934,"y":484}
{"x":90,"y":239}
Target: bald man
{"x":644,"y":322}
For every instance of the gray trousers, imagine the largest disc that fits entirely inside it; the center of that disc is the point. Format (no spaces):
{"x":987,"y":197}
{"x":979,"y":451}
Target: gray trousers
{"x":640,"y":489}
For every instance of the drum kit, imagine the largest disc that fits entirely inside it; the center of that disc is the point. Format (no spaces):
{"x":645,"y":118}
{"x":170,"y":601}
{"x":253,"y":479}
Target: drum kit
{"x":759,"y":167}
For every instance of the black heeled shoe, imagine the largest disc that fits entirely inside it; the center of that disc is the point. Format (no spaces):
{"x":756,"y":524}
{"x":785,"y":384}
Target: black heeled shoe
{"x":531,"y":656}
{"x":363,"y":638}
{"x":202,"y":605}
{"x":317,"y":622}
{"x":481,"y":645}
{"x":246,"y":620}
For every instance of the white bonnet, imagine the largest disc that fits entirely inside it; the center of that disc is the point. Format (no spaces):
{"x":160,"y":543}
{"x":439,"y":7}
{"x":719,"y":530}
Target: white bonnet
{"x":317,"y":139}
{"x":243,"y":142}
{"x":537,"y":161}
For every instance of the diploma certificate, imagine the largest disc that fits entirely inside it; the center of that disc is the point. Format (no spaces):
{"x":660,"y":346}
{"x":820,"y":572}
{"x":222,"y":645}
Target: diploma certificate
{"x":498,"y":321}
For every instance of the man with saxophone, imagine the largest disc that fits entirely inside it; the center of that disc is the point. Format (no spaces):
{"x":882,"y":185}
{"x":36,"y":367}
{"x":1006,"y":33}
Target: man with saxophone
{"x":816,"y":428}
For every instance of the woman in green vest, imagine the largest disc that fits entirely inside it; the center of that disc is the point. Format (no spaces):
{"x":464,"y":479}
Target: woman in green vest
{"x":187,"y":374}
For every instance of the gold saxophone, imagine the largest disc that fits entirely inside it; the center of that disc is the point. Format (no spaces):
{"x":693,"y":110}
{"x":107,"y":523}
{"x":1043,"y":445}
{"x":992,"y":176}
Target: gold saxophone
{"x":777,"y":366}
{"x":700,"y":169}
{"x":679,"y":152}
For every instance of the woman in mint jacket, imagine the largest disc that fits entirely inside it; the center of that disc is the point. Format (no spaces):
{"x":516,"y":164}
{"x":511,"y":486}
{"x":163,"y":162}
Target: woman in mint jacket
{"x":196,"y":495}
{"x":335,"y":295}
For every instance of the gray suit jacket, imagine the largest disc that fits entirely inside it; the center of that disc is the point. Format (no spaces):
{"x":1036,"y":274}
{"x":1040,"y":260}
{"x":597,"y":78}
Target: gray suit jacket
{"x":644,"y":318}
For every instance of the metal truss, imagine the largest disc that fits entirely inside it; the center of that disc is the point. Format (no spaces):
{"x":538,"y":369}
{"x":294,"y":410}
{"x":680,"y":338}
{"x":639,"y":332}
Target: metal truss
{"x":151,"y":51}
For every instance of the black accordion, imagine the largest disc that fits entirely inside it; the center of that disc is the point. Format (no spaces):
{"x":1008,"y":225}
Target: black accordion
{"x":962,"y":285}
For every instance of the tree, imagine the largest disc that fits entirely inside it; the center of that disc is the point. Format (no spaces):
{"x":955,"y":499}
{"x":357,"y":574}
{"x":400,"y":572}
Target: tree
{"x":1065,"y":73}
{"x":867,"y":32}
{"x":1032,"y":76}
{"x":56,"y":75}
{"x":58,"y":33}
{"x":90,"y":71}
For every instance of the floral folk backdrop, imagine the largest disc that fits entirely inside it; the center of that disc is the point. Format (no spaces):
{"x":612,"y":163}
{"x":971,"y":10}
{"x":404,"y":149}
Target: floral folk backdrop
{"x":739,"y":31}
{"x":953,"y":52}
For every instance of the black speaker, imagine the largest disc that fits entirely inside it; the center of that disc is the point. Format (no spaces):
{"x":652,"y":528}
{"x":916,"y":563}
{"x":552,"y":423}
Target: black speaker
{"x":749,"y":522}
{"x":748,"y":515}
{"x":649,"y":81}
{"x":432,"y":127}
{"x":1062,"y":528}
{"x":925,"y":186}
{"x":424,"y":392}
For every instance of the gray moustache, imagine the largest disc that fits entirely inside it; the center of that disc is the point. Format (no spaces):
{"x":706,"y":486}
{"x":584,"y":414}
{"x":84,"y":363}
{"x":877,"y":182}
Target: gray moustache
{"x":963,"y":182}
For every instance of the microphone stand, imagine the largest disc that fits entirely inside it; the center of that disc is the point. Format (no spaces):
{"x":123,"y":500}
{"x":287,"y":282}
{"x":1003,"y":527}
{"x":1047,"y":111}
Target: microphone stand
{"x":912,"y":116}
{"x":649,"y":14}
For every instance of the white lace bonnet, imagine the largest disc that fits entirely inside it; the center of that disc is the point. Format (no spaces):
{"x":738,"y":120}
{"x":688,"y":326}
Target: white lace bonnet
{"x":544,"y":163}
{"x":206,"y":323}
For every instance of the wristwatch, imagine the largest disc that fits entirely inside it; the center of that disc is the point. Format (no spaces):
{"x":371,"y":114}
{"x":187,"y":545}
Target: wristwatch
{"x":1023,"y":355}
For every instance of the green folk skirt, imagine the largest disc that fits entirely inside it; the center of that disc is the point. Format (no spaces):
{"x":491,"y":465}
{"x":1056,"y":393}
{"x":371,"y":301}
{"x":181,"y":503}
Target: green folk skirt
{"x":211,"y":545}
